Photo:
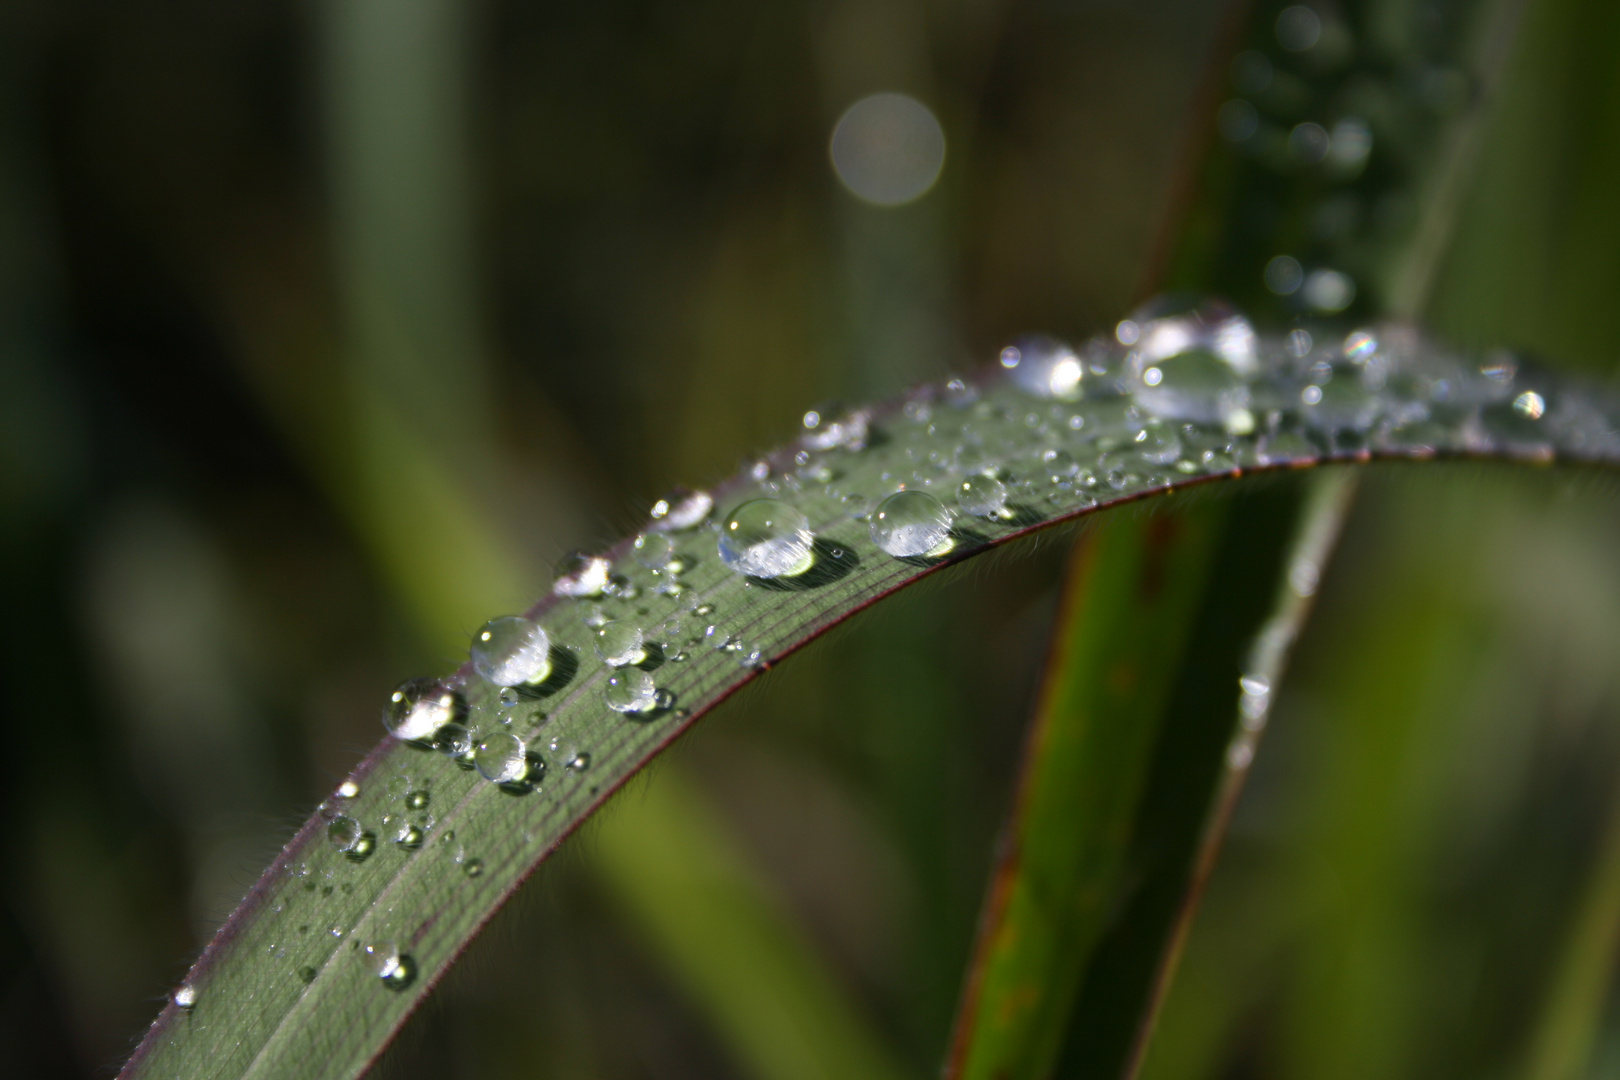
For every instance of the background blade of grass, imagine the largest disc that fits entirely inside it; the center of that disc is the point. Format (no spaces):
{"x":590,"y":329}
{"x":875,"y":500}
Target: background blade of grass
{"x":1129,"y":777}
{"x":1058,"y":882}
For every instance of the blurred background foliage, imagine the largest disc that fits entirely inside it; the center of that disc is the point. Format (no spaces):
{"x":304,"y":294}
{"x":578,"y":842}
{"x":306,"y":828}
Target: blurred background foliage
{"x":327,"y":326}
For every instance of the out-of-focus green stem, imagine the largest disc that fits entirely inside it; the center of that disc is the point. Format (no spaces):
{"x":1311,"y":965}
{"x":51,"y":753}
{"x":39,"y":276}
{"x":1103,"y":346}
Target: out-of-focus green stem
{"x":1572,"y":1016}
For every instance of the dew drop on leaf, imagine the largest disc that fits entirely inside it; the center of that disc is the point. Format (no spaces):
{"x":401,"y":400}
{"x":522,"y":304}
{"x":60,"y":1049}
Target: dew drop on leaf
{"x":1044,"y":366}
{"x":909,"y":524}
{"x":982,"y":496}
{"x":501,"y":758}
{"x":512,"y":651}
{"x":454,"y":741}
{"x":653,"y":550}
{"x":630,"y":690}
{"x":581,"y":575}
{"x":185,"y":996}
{"x":619,"y":644}
{"x":385,"y":961}
{"x":681,"y":509}
{"x":419,"y":708}
{"x":767,"y":538}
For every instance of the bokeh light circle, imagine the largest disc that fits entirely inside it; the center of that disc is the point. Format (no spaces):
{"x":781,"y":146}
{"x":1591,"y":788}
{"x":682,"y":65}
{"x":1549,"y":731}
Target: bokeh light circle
{"x":888,"y":149}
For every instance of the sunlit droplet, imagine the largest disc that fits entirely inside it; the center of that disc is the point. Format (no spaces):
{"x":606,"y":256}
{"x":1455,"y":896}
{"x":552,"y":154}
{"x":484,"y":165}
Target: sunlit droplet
{"x":418,"y":708}
{"x":909,"y":524}
{"x":501,"y":758}
{"x":767,"y":538}
{"x":620,"y":643}
{"x":581,"y":575}
{"x":1530,"y":405}
{"x":630,"y":690}
{"x":185,"y":996}
{"x":1044,"y":366}
{"x":385,"y":961}
{"x":512,"y":651}
{"x":982,"y":496}
{"x":681,"y":509}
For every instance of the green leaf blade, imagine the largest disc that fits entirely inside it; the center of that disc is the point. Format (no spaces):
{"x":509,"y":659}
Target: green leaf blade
{"x":318,"y":908}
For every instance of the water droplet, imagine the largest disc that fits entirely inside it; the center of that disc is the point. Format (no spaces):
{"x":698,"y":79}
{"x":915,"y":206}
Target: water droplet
{"x":512,"y":651}
{"x":581,"y":575}
{"x":185,"y":996}
{"x":767,"y":538}
{"x":982,"y":496}
{"x":681,"y":509}
{"x":473,"y":868}
{"x":1044,"y":366}
{"x":348,"y":789}
{"x":579,"y":762}
{"x":653,"y":550}
{"x":1196,"y":385}
{"x":909,"y":524}
{"x":408,"y":836}
{"x":419,"y":708}
{"x":416,"y":800}
{"x":1530,"y":405}
{"x":823,"y":432}
{"x":1059,"y":465}
{"x":509,"y":697}
{"x":350,"y":837}
{"x":454,"y":741}
{"x":501,"y":758}
{"x":619,"y":644}
{"x":306,"y":974}
{"x":385,"y":961}
{"x":630,"y":690}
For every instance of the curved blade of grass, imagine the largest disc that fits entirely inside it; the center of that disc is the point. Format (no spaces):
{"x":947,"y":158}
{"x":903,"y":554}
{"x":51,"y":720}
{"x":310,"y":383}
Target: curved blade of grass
{"x":1130,"y":777}
{"x":285,"y":989}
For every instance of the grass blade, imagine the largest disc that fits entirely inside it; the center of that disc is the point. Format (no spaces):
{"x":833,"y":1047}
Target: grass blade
{"x":285,"y":988}
{"x":1130,"y":598}
{"x":1112,"y":843}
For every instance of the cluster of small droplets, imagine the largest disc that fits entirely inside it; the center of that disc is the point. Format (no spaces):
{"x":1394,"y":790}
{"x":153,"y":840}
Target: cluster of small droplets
{"x":1174,"y":393}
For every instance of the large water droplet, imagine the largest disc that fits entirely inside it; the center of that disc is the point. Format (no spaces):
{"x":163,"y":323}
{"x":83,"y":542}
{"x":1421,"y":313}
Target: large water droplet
{"x":767,"y":538}
{"x":419,"y":708}
{"x":185,"y":996}
{"x":982,"y":496}
{"x":581,"y":575}
{"x":653,"y":550}
{"x":1044,"y":366}
{"x":909,"y":524}
{"x":630,"y":690}
{"x":1195,"y":385}
{"x":501,"y":758}
{"x":512,"y":651}
{"x":619,"y":644}
{"x":388,"y":964}
{"x":681,"y":509}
